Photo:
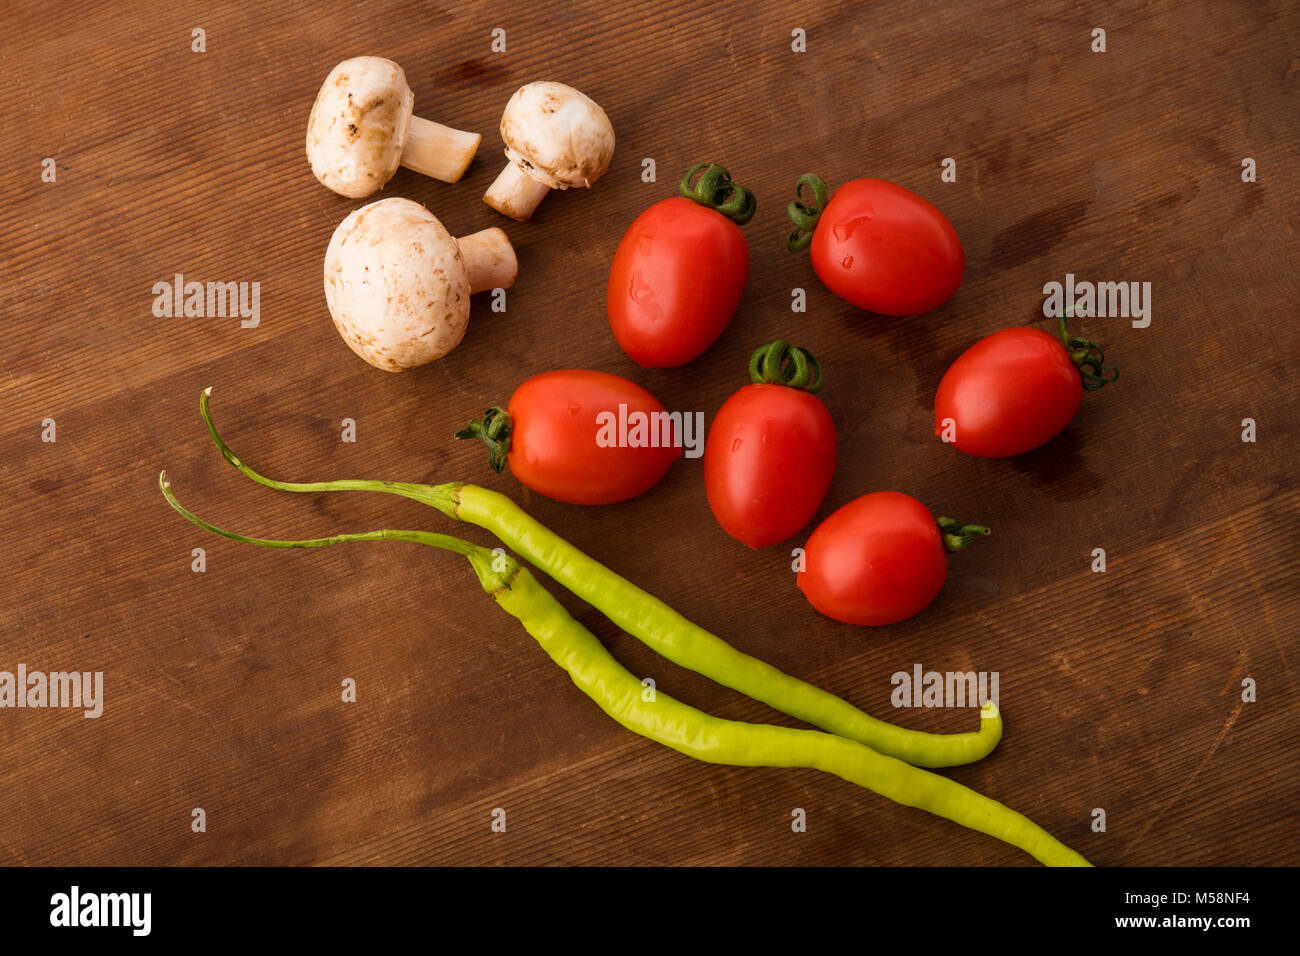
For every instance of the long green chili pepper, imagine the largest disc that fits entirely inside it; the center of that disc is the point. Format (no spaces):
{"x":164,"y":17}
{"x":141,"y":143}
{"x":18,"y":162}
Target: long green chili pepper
{"x":691,"y":731}
{"x":652,"y":621}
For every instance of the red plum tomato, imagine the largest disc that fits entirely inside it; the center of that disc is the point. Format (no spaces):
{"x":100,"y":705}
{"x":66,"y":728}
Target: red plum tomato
{"x":886,"y":249}
{"x":565,"y":433}
{"x":768,"y":462}
{"x":878,"y":560}
{"x":1008,"y":393}
{"x":677,"y":278}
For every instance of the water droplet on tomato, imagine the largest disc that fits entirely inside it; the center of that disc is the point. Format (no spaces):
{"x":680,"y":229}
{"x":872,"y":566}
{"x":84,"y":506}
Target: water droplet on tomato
{"x":639,"y":290}
{"x":847,"y":262}
{"x":843,"y":230}
{"x":643,"y":294}
{"x":736,"y":443}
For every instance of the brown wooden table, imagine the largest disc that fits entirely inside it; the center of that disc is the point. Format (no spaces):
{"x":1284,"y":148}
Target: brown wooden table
{"x":1121,"y":690}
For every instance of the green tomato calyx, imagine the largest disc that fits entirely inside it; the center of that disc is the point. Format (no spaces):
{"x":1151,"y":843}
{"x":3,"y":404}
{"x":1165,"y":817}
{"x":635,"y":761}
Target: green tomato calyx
{"x":780,"y":363}
{"x":494,"y":429}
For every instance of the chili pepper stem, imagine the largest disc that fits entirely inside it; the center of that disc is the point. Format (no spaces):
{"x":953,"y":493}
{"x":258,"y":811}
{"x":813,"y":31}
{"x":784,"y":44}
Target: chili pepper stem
{"x":495,"y":571}
{"x":406,"y":489}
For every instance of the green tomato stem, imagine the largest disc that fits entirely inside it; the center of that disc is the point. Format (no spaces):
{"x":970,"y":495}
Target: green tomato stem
{"x":779,"y":363}
{"x":1087,"y":356}
{"x":805,"y":215}
{"x":958,"y":536}
{"x":494,"y":429}
{"x":715,"y":190}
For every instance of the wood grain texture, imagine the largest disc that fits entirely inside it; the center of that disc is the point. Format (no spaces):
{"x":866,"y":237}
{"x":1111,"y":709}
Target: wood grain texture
{"x":1121,"y":690}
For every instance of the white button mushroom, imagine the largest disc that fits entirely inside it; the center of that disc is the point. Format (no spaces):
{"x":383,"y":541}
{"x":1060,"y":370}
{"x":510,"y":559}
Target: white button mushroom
{"x":398,"y":284}
{"x":361,"y":129}
{"x":555,"y":138}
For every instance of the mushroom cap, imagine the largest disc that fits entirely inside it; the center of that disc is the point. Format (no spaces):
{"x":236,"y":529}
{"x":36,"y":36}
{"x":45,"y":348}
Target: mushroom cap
{"x":557,"y":135}
{"x":359,"y":124}
{"x":396,"y":285}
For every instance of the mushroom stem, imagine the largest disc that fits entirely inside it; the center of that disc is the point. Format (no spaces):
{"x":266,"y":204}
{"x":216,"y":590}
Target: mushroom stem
{"x":515,"y":194}
{"x":438,"y":151}
{"x":489,"y":260}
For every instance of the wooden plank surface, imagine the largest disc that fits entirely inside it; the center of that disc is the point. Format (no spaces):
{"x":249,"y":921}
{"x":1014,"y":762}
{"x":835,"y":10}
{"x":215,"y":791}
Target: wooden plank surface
{"x":1121,"y":690}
